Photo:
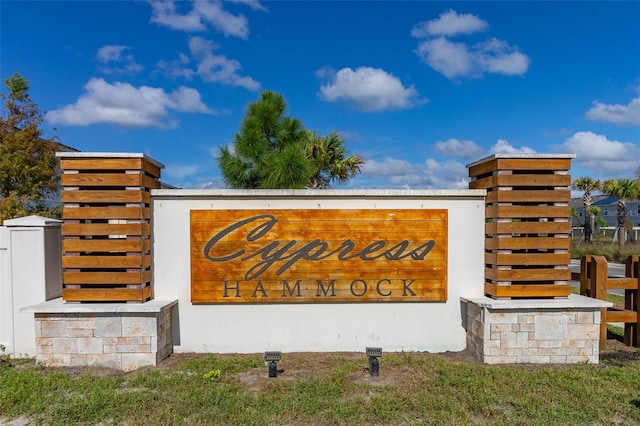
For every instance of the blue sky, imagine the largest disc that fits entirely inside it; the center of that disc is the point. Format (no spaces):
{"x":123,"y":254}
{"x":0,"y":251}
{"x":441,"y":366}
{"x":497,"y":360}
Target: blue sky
{"x":418,"y":89}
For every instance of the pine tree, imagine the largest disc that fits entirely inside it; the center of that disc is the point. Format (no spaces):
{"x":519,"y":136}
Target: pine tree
{"x":274,"y":151}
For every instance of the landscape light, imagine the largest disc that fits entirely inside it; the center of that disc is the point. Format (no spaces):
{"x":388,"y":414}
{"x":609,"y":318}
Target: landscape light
{"x":374,"y":364}
{"x":273,"y":357}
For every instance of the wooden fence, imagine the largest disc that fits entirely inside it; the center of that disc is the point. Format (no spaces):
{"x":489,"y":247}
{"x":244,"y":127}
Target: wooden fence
{"x":595,"y":282}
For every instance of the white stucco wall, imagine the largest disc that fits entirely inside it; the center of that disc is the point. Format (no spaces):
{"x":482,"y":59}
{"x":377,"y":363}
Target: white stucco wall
{"x":434,"y":327}
{"x":30,"y":273}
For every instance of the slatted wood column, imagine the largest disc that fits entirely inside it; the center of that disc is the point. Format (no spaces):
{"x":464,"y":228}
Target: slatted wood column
{"x":107,"y":226}
{"x":528,"y":225}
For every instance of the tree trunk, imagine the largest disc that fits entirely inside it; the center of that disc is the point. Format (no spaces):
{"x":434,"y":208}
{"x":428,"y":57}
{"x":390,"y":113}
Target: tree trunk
{"x":622,"y":231}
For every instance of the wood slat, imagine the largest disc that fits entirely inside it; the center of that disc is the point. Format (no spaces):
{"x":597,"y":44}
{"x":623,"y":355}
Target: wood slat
{"x":519,"y":164}
{"x":527,"y":290}
{"x":101,"y":179}
{"x":328,"y":231}
{"x":107,"y":294}
{"x":499,"y":212}
{"x":305,"y":271}
{"x":110,"y":164}
{"x":120,"y":245}
{"x":527,"y":274}
{"x":95,"y":229}
{"x":151,"y":169}
{"x":150,"y":182}
{"x":483,"y":168}
{"x":622,"y":315}
{"x":559,"y":164}
{"x":106,"y":261}
{"x":101,"y":163}
{"x":622,"y":283}
{"x":310,"y":293}
{"x":111,"y":212}
{"x":528,"y":228}
{"x":532,"y":243}
{"x":521,"y":180}
{"x":528,"y":196}
{"x":526,"y":259}
{"x":106,"y":197}
{"x":309,"y":216}
{"x":97,"y":278}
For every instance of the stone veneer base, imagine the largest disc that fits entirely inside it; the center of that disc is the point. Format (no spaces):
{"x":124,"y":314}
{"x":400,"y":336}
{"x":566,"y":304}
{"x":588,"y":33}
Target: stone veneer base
{"x":563,"y":331}
{"x":124,"y":336}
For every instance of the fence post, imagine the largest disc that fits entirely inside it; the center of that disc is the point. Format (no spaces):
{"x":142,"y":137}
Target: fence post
{"x":598,"y":270}
{"x":586,"y":288}
{"x":632,"y":270}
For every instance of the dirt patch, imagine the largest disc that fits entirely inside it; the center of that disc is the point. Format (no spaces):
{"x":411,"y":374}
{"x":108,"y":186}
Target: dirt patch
{"x":616,"y":353}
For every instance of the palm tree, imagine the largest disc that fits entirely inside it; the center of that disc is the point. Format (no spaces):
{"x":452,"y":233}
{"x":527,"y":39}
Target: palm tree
{"x":331,"y":161}
{"x":624,"y":189}
{"x":587,"y":184}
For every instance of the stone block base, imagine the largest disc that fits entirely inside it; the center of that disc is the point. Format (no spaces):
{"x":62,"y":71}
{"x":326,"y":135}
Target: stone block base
{"x":563,"y":331}
{"x":120,"y":336}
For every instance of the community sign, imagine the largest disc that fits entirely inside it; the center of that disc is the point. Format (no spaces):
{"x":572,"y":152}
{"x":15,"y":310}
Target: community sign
{"x":318,"y":256}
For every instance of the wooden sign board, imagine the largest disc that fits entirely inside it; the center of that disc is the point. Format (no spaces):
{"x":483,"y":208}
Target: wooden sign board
{"x":318,"y":256}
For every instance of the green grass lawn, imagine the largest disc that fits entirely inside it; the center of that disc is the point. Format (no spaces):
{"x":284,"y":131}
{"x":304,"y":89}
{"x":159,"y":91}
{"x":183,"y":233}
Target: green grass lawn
{"x":413,"y":388}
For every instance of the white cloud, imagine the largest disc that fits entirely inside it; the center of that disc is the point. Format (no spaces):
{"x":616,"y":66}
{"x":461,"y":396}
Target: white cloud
{"x":450,"y":23}
{"x":603,"y":156}
{"x":616,"y":113}
{"x":214,"y":183}
{"x":210,"y":67}
{"x":388,"y":167}
{"x":177,"y":68}
{"x":459,"y":148}
{"x":253,"y":4}
{"x":369,"y":89}
{"x":119,"y":63}
{"x":110,"y":53}
{"x":164,"y":13}
{"x":445,"y":175}
{"x":448,"y":58}
{"x":458,"y":59}
{"x":497,"y":57}
{"x":180,"y":172}
{"x":125,"y":105}
{"x":455,"y":60}
{"x":504,"y":147}
{"x":429,"y":175}
{"x":204,"y":12}
{"x":218,"y":68}
{"x":227,"y":23}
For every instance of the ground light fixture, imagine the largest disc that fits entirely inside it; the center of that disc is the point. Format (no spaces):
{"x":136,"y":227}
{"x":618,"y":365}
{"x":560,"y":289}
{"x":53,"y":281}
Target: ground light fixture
{"x":374,"y":363}
{"x":272,"y":357}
